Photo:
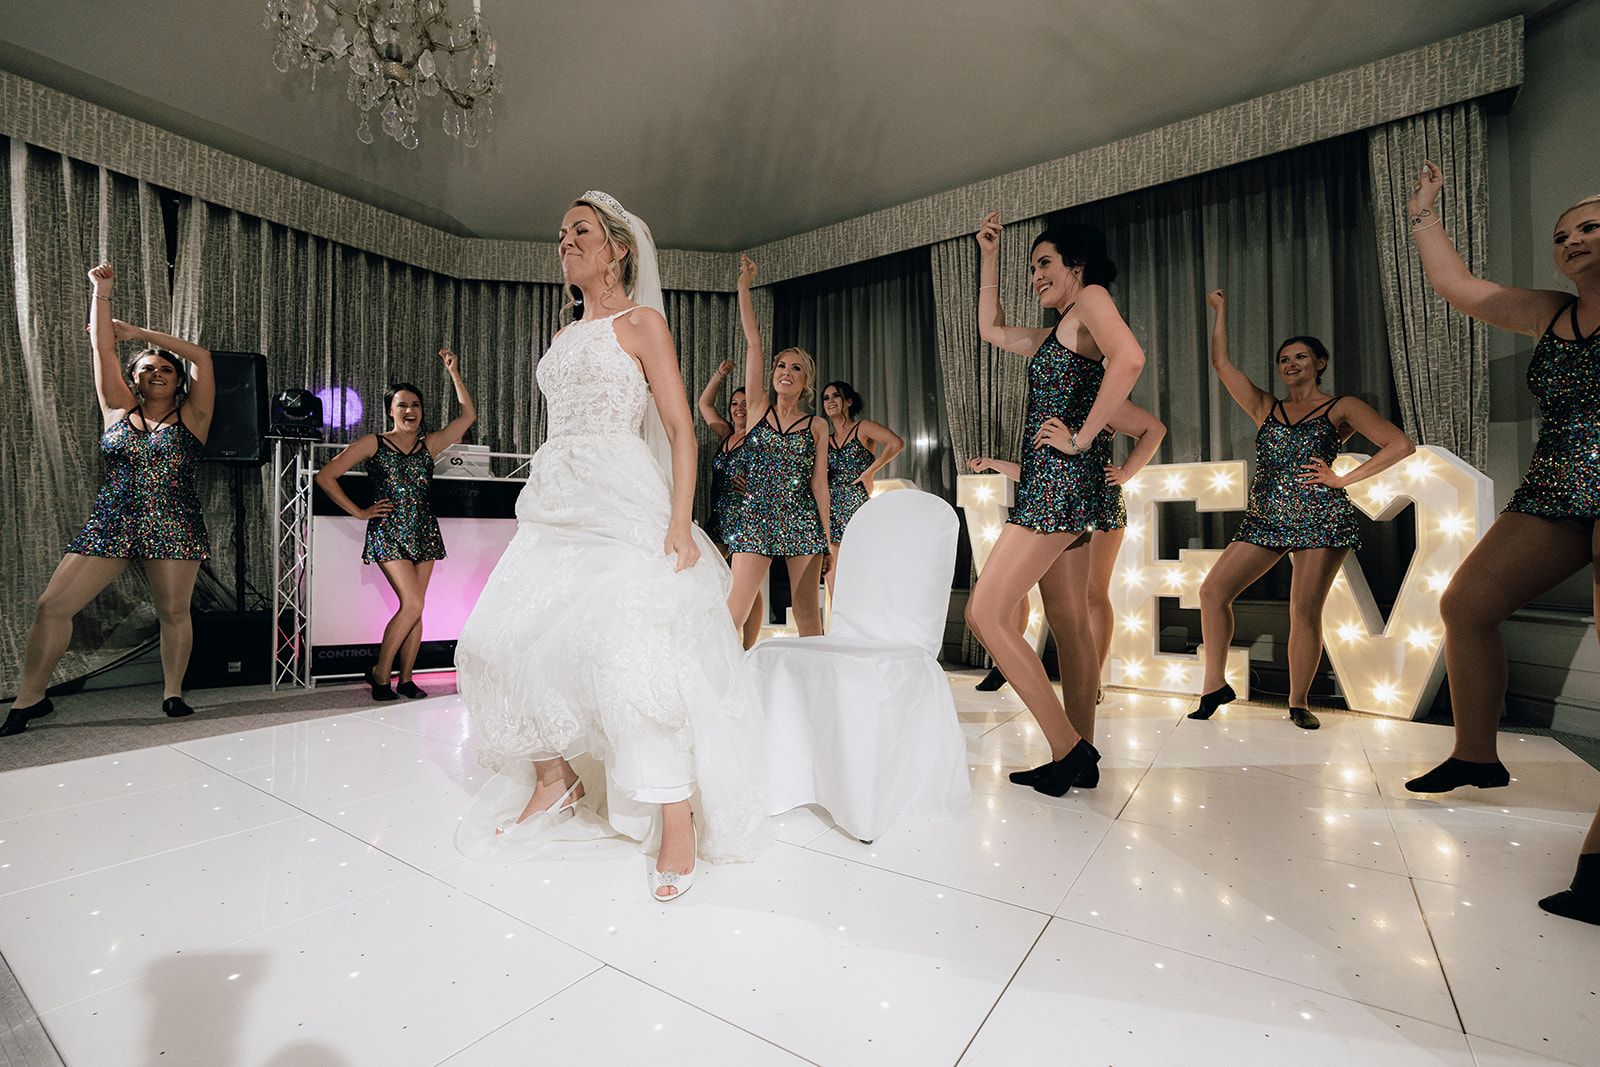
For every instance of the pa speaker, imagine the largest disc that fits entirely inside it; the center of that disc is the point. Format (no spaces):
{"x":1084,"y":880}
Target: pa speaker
{"x":230,"y":648}
{"x":239,"y":423}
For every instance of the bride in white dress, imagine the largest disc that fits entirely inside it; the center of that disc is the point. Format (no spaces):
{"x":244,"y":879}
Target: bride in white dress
{"x":604,"y":630}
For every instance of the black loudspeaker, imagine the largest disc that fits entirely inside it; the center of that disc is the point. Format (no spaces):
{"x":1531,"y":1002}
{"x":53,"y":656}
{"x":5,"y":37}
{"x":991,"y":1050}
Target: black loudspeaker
{"x":239,"y":424}
{"x":230,"y":648}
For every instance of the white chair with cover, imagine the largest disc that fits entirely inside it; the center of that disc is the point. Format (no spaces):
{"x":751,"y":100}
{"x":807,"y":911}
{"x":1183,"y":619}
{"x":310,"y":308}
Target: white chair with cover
{"x":861,"y":721}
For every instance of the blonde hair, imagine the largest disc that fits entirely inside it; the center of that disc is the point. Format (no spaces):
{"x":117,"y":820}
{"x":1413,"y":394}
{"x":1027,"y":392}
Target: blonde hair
{"x":1585,"y":202}
{"x":807,"y":364}
{"x":624,"y":267}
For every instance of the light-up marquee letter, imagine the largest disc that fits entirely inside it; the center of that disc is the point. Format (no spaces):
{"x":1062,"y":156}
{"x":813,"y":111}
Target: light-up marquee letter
{"x":1395,"y":668}
{"x":1141,"y":578}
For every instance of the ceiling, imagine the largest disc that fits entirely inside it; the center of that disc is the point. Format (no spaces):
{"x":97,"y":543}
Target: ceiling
{"x":724,"y":123}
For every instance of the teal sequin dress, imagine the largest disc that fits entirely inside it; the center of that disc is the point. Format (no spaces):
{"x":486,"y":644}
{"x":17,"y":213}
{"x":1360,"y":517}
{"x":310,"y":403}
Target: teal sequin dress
{"x":1058,"y":492}
{"x":1563,"y":479}
{"x":147,"y":507}
{"x":846,"y":463}
{"x":410,"y":531}
{"x":1285,"y":512}
{"x":727,"y":499}
{"x":780,"y":514}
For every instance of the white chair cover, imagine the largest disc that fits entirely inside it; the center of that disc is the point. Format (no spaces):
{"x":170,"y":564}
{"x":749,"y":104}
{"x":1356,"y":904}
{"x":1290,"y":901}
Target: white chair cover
{"x":861,"y":722}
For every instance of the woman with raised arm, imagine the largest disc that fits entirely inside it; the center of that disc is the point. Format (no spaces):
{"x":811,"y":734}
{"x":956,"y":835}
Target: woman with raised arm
{"x":1548,"y":530}
{"x":1079,"y":375}
{"x":402,"y":532}
{"x":786,"y":511}
{"x":1297,"y":505}
{"x":727,"y":478}
{"x":603,"y":630}
{"x":857,"y":450}
{"x":156,"y":422}
{"x":1104,"y":544}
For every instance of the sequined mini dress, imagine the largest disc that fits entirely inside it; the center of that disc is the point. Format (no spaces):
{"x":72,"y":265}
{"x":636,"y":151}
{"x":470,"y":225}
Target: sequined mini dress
{"x":1563,"y":479}
{"x":147,"y":507}
{"x":780,"y":514}
{"x":847,"y":461}
{"x":410,"y":530}
{"x":1057,"y":492}
{"x":1284,"y":511}
{"x":727,"y":498}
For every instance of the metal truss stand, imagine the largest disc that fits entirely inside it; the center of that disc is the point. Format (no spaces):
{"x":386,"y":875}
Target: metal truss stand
{"x":291,"y":562}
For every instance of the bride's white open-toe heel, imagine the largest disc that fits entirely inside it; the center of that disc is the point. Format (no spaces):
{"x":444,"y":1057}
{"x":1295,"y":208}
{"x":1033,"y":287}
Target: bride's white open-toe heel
{"x":564,"y":808}
{"x":660,"y":880}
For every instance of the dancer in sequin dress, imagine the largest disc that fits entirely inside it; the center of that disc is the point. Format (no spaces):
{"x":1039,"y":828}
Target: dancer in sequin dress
{"x":857,"y":450}
{"x":786,"y":476}
{"x":1548,"y":532}
{"x":1079,"y":375}
{"x":156,"y":422}
{"x":1104,"y":545}
{"x":1297,"y":505}
{"x":603,"y":631}
{"x":402,"y":532}
{"x":727,"y":478}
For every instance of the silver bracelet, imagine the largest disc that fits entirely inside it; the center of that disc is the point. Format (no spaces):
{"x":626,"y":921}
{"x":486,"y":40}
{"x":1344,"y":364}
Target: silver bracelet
{"x":1435,"y":222}
{"x":981,"y":288}
{"x":97,"y":296}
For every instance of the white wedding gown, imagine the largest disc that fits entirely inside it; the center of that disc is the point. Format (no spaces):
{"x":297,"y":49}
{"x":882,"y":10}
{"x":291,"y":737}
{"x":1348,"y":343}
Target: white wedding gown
{"x":585,"y":640}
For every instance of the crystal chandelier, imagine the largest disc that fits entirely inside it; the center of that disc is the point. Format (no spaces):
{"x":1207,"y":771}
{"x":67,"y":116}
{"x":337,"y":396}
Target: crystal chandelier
{"x":397,"y":50}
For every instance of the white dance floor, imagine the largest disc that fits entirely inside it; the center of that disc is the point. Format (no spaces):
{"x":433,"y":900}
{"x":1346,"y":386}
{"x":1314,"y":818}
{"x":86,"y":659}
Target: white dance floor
{"x":1235,"y":892}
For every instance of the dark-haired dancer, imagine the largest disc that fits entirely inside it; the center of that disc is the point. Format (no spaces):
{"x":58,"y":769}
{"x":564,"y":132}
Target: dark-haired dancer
{"x":1079,"y":374}
{"x":854,"y":457}
{"x":1548,"y":531}
{"x":786,"y":475}
{"x":1297,"y":504}
{"x":402,"y":532}
{"x":728,"y":478}
{"x":156,"y":422}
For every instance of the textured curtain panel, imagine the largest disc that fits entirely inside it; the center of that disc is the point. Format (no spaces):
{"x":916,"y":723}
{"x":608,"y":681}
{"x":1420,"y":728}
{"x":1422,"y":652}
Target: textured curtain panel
{"x":705,"y":327}
{"x":1441,"y":357}
{"x":62,"y":217}
{"x":873,"y":325}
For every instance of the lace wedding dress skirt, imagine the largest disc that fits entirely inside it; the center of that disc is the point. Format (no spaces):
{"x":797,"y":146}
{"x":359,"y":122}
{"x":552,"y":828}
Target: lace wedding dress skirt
{"x":585,"y":640}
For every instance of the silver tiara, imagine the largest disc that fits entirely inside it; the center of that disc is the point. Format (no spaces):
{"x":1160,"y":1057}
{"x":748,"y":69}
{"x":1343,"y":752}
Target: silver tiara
{"x":607,"y":199}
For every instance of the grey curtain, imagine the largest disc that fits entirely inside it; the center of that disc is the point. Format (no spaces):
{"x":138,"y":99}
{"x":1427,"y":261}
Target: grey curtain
{"x":1440,"y":356}
{"x":62,"y":217}
{"x":873,"y":325}
{"x":705,"y":327}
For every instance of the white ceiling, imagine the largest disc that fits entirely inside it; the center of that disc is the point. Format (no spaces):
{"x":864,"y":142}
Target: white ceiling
{"x":724,"y":123}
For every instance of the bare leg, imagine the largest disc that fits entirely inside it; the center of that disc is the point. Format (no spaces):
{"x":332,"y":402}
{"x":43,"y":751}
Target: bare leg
{"x":1314,"y":572}
{"x":1241,"y":564}
{"x":554,"y":778}
{"x":833,"y":567}
{"x":1020,"y":558}
{"x":748,"y":570}
{"x":805,"y":574}
{"x":752,"y":623}
{"x":1103,"y":548}
{"x":1064,"y":588}
{"x":410,"y":586}
{"x":76,"y":581}
{"x":406,"y":660}
{"x":677,"y":844}
{"x":172,"y":584}
{"x":1519,"y":558}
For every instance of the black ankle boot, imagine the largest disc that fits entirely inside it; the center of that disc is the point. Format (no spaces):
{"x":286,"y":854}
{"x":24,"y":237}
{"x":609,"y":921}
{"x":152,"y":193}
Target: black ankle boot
{"x":991,"y":681}
{"x":175,"y":708}
{"x":380,"y":690}
{"x":1582,"y":901}
{"x":1056,"y":778}
{"x":17,"y":721}
{"x":1210,"y":702}
{"x":1455,"y":772}
{"x":410,"y":690}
